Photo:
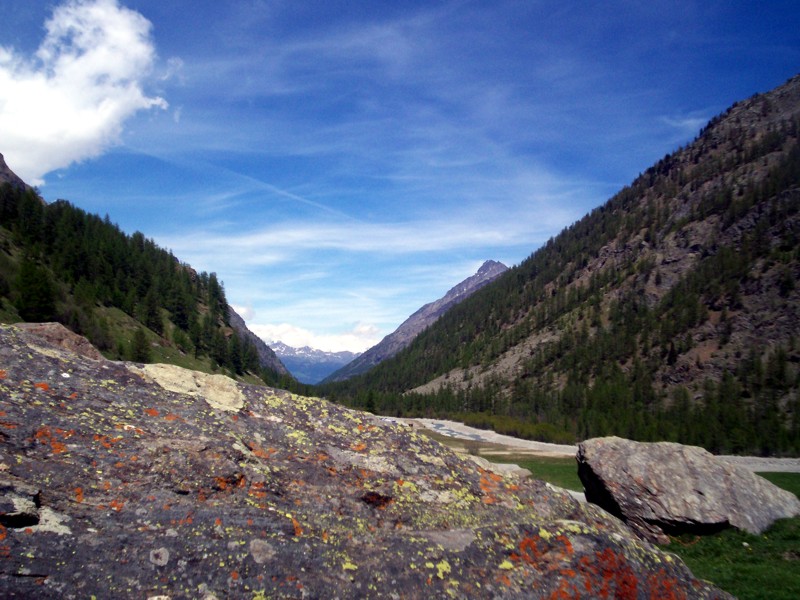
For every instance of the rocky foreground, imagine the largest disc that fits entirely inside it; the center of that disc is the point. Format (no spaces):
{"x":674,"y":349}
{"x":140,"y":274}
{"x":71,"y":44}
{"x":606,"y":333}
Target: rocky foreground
{"x":131,"y":481}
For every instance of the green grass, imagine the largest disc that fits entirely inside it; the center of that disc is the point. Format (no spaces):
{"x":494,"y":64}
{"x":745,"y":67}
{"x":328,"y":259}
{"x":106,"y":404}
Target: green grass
{"x":560,"y":471}
{"x":787,"y":481}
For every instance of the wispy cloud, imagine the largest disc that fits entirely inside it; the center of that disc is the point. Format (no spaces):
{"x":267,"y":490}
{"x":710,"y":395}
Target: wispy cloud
{"x":70,"y":101}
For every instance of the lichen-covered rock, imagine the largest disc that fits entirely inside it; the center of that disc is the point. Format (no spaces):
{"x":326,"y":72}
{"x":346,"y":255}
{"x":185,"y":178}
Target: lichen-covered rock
{"x":60,"y":336}
{"x":114,"y":486}
{"x":663,"y":488}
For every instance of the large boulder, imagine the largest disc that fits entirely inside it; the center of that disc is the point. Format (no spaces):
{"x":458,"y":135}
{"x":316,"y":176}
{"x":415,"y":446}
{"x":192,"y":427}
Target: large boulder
{"x":663,"y":488}
{"x":123,"y":481}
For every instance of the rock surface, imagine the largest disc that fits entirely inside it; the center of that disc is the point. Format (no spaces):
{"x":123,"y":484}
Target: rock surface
{"x":665,"y":488}
{"x":118,"y":481}
{"x":57,"y":334}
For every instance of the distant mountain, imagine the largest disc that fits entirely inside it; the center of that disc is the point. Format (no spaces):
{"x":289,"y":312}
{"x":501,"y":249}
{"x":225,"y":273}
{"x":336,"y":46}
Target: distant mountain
{"x":420,"y":320}
{"x":309,"y":365}
{"x":670,"y":312}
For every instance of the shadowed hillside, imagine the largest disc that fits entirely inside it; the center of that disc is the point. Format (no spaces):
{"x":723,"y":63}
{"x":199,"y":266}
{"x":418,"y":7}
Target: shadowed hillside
{"x":670,"y":312}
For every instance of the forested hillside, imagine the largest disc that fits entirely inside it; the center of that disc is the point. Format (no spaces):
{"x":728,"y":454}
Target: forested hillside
{"x":670,"y":312}
{"x":132,"y":299}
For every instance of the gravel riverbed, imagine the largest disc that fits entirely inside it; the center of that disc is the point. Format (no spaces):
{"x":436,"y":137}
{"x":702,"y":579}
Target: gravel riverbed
{"x":516,"y":445}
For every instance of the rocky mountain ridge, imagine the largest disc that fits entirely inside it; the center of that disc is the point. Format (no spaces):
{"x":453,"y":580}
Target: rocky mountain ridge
{"x":138,"y":481}
{"x":662,"y":257}
{"x":419,"y":321}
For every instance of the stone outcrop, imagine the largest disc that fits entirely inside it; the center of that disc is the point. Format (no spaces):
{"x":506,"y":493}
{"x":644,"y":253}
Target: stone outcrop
{"x":664,"y":488}
{"x":60,"y":336}
{"x":122,"y":482}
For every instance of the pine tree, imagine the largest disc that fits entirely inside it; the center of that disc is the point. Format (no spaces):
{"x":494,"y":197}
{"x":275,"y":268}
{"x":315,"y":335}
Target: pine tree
{"x":36,"y":299}
{"x":140,"y":347}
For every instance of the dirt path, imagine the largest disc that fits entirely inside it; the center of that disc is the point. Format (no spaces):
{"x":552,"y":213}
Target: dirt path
{"x":511,"y":445}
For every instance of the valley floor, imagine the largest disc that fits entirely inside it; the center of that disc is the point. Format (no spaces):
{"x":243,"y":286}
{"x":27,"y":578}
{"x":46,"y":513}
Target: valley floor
{"x":517,"y":446}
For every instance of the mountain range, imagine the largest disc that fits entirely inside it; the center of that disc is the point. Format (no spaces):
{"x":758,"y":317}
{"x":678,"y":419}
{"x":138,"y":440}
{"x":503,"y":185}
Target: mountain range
{"x":309,"y":365}
{"x":419,"y":321}
{"x":669,"y":312}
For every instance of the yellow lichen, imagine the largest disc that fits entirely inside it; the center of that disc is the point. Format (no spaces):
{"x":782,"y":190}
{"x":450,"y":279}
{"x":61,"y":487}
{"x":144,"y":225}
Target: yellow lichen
{"x":442,"y":569}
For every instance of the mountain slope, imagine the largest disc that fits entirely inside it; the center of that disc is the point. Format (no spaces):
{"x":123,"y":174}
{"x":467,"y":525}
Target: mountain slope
{"x":131,"y":298}
{"x":309,"y":365}
{"x":670,"y":312}
{"x":419,"y":321}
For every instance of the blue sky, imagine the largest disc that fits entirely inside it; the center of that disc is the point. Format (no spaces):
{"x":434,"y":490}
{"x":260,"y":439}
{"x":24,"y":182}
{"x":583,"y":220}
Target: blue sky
{"x":339,"y":164}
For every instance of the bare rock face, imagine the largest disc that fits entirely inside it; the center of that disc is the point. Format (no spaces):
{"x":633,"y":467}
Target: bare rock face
{"x":118,"y":481}
{"x":665,"y":488}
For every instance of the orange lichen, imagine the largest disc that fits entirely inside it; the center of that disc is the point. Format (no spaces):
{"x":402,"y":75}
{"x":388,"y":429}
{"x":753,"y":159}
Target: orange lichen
{"x":663,"y":587}
{"x":78,"y":495}
{"x":298,"y":529}
{"x":173,"y":417}
{"x":612,"y":573}
{"x":47,"y":436}
{"x":3,"y":374}
{"x":261,"y":452}
{"x":360,"y":447}
{"x":41,"y":386}
{"x":152,"y":412}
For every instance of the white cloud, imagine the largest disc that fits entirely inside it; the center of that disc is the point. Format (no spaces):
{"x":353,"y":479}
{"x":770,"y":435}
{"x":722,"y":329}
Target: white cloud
{"x":358,"y":339}
{"x":70,"y":101}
